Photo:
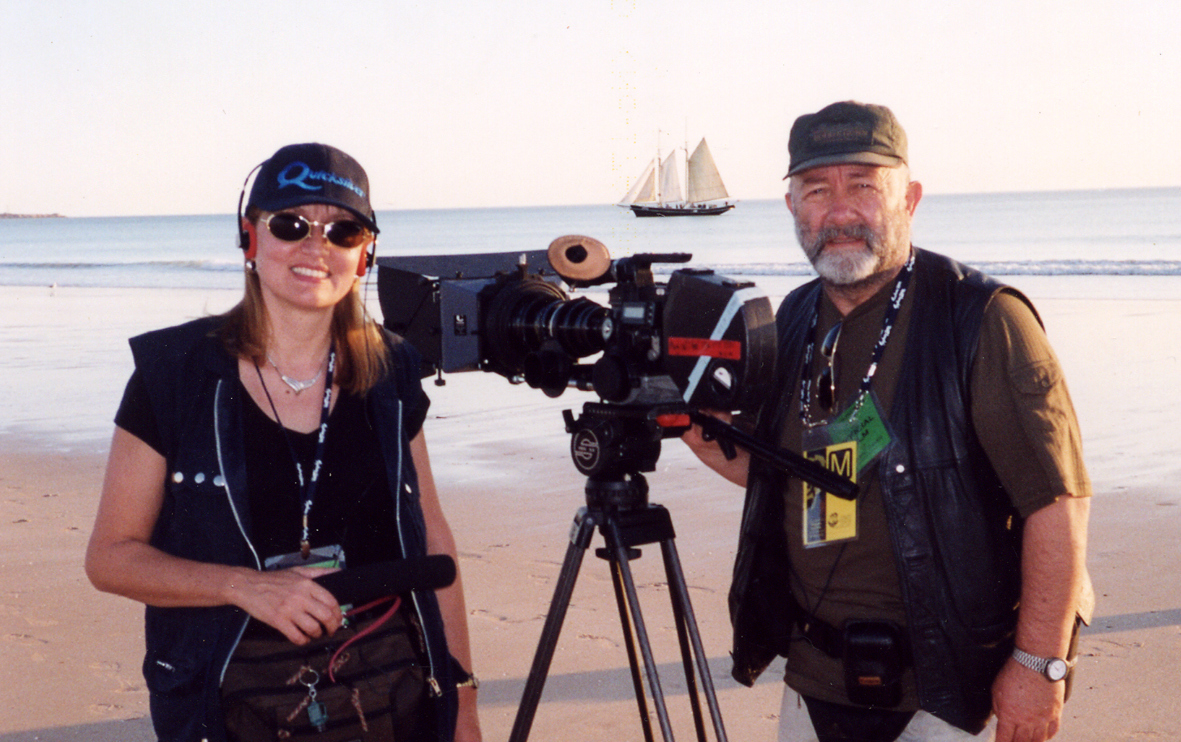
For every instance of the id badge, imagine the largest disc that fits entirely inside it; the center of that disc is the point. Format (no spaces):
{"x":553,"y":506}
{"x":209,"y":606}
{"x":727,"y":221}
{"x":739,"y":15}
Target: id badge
{"x":829,"y":519}
{"x":861,"y":422}
{"x":846,"y":445}
{"x":321,"y":556}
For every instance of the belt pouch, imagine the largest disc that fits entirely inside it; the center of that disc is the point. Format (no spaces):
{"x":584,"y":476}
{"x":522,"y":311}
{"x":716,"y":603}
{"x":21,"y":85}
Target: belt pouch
{"x":874,"y":657}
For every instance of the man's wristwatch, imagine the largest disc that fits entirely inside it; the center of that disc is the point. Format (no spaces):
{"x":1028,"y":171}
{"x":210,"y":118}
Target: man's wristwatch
{"x":1051,"y":668}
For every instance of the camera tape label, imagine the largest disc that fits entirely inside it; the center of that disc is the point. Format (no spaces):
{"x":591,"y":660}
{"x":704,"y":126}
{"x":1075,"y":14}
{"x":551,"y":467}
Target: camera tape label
{"x":715,"y":347}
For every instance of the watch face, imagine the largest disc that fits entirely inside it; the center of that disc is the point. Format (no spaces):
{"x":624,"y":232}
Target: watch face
{"x":1057,"y":669}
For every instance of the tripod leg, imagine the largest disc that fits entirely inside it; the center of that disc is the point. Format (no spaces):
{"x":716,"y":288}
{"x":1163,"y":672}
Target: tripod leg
{"x":683,"y":641}
{"x":583,"y":529}
{"x":632,"y":660}
{"x":680,"y":592}
{"x":629,"y":583}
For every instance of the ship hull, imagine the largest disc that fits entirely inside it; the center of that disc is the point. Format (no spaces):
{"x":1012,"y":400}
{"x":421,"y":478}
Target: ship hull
{"x":646,"y":210}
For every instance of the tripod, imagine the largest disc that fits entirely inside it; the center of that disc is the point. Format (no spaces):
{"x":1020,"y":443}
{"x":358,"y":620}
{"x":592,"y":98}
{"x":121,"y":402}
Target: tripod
{"x":623,"y":530}
{"x":614,"y":444}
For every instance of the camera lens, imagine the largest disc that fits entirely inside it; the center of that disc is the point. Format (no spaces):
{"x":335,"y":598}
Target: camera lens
{"x":531,"y":313}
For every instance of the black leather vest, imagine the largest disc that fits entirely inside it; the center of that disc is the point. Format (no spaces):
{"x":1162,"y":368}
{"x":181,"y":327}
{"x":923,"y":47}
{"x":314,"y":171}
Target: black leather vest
{"x":955,"y":535}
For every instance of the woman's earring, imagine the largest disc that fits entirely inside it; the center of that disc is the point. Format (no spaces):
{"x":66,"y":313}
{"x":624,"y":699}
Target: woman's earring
{"x":251,"y":267}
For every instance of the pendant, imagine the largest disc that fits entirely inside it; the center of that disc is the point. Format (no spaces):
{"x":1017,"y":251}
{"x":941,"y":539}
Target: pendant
{"x":296,"y":385}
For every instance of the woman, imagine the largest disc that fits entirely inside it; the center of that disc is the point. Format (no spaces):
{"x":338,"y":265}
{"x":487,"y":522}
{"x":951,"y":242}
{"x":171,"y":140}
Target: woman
{"x":260,"y":449}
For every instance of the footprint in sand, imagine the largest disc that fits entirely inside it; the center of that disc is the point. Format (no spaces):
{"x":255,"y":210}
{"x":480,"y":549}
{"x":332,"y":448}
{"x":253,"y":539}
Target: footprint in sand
{"x":602,"y":641}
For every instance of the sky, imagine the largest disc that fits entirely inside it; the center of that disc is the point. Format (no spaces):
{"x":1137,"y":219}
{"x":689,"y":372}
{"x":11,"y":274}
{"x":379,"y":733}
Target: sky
{"x":142,"y":107}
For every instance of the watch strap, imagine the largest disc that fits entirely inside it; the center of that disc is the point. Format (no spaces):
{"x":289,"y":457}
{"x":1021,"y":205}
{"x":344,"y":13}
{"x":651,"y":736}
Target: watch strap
{"x":1039,"y":665}
{"x":470,"y":682}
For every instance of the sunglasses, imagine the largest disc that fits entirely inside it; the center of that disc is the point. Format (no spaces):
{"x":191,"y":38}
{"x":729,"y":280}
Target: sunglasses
{"x":346,"y":233}
{"x":826,"y":384}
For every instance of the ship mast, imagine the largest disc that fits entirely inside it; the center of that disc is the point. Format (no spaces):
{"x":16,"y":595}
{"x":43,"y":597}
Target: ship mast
{"x":656,"y":183}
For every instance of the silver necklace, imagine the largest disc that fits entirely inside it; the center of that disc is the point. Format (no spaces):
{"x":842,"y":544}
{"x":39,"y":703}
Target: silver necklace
{"x":297,"y":385}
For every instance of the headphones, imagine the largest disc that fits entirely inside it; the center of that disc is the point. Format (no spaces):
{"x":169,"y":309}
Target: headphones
{"x":248,"y":232}
{"x":367,"y":258}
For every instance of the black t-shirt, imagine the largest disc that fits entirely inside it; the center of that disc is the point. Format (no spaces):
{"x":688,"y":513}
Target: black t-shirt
{"x":352,"y":506}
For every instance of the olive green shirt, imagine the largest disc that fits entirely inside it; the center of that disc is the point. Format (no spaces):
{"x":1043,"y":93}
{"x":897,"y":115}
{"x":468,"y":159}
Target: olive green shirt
{"x":1022,"y":413}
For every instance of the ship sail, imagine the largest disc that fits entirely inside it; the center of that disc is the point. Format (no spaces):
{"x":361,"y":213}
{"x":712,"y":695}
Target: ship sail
{"x":705,"y":182}
{"x":658,"y":191}
{"x":644,"y":191}
{"x":670,"y":183}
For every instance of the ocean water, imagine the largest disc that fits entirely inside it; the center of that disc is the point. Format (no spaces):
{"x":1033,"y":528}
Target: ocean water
{"x":1131,"y":233}
{"x":64,"y":357}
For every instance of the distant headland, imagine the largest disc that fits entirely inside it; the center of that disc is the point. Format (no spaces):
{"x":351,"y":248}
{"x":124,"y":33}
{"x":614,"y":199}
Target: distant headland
{"x":6,"y":215}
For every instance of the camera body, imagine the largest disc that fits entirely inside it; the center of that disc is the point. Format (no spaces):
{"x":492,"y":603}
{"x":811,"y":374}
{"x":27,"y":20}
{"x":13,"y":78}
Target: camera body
{"x":699,"y":339}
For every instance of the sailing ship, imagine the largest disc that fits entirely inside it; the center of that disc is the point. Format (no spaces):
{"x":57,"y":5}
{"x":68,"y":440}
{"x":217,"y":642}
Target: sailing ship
{"x":658,"y":190}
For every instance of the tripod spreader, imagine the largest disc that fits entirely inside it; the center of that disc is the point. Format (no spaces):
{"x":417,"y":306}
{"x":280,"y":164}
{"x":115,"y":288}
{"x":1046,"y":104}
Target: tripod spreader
{"x":727,"y":435}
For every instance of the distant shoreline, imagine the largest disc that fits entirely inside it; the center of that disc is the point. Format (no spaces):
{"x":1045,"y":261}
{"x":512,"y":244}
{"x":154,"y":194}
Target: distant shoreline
{"x":6,"y":215}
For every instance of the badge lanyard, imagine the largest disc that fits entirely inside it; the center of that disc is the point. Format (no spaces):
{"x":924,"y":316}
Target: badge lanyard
{"x":307,"y":488}
{"x":896,"y":297}
{"x":844,"y":444}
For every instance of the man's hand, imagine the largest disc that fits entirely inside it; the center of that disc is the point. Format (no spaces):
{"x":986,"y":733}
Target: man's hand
{"x":1028,"y":707}
{"x":711,"y":453}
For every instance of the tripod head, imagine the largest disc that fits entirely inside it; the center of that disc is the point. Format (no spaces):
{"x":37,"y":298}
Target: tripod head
{"x":613,"y":444}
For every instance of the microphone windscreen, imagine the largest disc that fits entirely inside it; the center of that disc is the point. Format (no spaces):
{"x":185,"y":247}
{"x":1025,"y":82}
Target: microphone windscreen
{"x":372,"y":581}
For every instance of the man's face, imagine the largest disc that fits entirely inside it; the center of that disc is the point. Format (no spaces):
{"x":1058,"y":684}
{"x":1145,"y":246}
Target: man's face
{"x":853,"y":221}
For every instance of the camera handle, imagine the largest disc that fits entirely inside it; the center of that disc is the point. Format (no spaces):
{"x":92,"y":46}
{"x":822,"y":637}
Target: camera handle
{"x":727,"y":436}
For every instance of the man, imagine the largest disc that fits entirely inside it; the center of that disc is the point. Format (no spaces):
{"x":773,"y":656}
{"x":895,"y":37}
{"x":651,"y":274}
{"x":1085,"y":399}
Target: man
{"x":950,"y":589}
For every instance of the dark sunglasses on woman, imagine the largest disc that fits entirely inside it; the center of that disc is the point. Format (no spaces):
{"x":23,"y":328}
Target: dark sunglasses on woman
{"x":346,"y":233}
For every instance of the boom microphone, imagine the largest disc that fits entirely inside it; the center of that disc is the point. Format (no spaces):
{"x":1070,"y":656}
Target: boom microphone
{"x":363,"y":584}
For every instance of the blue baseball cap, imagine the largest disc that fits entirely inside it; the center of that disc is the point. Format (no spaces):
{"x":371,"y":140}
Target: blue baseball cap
{"x":313,"y":174}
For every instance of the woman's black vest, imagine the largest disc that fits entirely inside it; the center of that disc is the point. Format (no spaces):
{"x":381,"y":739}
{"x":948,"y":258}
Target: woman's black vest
{"x":955,"y":535}
{"x":195,"y":394}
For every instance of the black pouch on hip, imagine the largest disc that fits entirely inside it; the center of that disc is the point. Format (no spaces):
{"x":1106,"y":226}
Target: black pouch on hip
{"x":875,"y":655}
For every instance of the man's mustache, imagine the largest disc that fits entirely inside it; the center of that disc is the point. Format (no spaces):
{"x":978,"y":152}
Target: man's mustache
{"x":849,"y":232}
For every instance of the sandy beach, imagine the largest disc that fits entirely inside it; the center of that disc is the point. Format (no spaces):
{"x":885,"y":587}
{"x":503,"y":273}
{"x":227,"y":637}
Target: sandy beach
{"x":70,"y":656}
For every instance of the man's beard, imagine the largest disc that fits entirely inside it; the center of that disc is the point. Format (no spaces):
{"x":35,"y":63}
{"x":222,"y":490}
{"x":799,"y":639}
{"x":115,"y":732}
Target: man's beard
{"x":848,"y":268}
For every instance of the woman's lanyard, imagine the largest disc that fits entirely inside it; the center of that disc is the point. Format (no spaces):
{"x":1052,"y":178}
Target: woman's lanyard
{"x":896,"y":297}
{"x":307,"y":488}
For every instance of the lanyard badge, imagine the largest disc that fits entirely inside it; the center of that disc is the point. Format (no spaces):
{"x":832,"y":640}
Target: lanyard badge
{"x":847,"y":443}
{"x":846,"y":446}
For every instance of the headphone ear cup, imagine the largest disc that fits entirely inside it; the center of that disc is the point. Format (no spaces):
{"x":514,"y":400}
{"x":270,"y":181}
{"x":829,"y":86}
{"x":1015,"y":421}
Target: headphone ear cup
{"x":248,"y":239}
{"x":367,"y":258}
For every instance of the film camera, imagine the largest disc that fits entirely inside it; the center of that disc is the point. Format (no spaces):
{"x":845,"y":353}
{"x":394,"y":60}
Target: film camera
{"x":701,"y":339}
{"x":665,"y":350}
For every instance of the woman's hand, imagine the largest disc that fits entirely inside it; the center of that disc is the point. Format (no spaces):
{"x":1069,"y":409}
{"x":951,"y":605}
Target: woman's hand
{"x":287,"y":599}
{"x":467,"y":725}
